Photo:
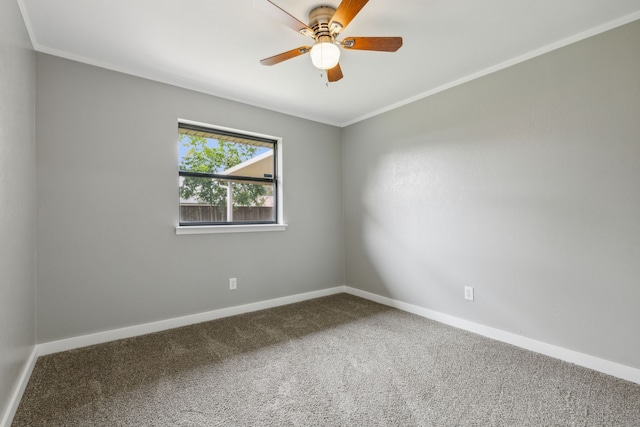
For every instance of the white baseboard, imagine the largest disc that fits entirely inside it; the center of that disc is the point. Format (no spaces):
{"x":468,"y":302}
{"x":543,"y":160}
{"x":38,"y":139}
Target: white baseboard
{"x":601,"y":365}
{"x":163,"y":325}
{"x":14,"y":402}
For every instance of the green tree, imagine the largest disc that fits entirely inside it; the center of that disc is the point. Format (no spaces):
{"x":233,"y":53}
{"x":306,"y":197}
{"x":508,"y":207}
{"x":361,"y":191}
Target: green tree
{"x":211,"y":156}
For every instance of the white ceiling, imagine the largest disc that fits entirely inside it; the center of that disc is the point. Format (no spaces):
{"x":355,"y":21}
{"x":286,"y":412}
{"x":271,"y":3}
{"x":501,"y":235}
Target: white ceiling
{"x":214,"y":46}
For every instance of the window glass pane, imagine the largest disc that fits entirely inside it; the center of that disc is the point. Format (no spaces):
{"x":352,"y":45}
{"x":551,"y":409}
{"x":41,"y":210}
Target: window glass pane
{"x":206,"y":200}
{"x":208,"y":154}
{"x":253,"y":202}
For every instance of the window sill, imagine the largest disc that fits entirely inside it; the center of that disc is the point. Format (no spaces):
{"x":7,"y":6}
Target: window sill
{"x":214,"y":229}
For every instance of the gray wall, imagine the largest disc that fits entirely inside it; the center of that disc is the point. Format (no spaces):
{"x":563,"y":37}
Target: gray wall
{"x":17,"y":199}
{"x":524,"y":184}
{"x":108,"y":255}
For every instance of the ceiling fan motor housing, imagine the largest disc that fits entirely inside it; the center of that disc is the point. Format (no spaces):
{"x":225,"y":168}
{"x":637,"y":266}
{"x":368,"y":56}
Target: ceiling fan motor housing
{"x":319,"y":19}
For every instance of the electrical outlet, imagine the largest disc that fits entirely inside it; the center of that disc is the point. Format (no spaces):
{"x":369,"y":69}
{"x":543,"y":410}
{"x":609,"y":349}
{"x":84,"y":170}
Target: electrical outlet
{"x":233,"y":284}
{"x":468,"y":293}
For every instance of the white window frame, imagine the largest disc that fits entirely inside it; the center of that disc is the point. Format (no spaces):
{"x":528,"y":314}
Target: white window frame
{"x":280,"y":225}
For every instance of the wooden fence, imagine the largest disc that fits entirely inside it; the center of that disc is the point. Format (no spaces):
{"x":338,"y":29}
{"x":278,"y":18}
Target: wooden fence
{"x":199,"y":213}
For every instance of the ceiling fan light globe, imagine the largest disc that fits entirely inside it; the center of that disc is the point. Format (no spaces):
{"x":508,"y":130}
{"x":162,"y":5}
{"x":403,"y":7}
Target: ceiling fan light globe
{"x":325,"y":55}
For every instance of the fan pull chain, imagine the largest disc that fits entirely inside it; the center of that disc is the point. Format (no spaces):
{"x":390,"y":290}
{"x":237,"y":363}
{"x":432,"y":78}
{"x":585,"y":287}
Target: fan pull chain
{"x":322,"y":77}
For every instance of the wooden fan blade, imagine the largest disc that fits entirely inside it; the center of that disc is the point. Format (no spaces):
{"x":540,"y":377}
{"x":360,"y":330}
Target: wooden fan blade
{"x":345,"y":12}
{"x":382,"y":44}
{"x":284,"y":17}
{"x":334,"y":74}
{"x":276,"y":59}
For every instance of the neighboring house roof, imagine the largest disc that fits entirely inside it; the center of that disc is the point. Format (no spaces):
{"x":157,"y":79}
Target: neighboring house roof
{"x":256,"y":167}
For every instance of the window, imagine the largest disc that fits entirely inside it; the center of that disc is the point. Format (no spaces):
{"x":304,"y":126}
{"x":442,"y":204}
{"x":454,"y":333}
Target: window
{"x":226,"y":177}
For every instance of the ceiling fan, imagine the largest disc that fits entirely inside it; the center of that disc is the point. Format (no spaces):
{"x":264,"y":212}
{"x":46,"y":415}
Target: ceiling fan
{"x":325,"y":25}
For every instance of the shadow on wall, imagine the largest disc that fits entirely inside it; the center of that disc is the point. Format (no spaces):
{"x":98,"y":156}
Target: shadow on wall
{"x":522,"y":184}
{"x":440,"y":217}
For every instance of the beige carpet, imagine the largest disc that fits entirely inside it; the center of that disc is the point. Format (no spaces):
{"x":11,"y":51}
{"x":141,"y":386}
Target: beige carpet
{"x":334,"y":361}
